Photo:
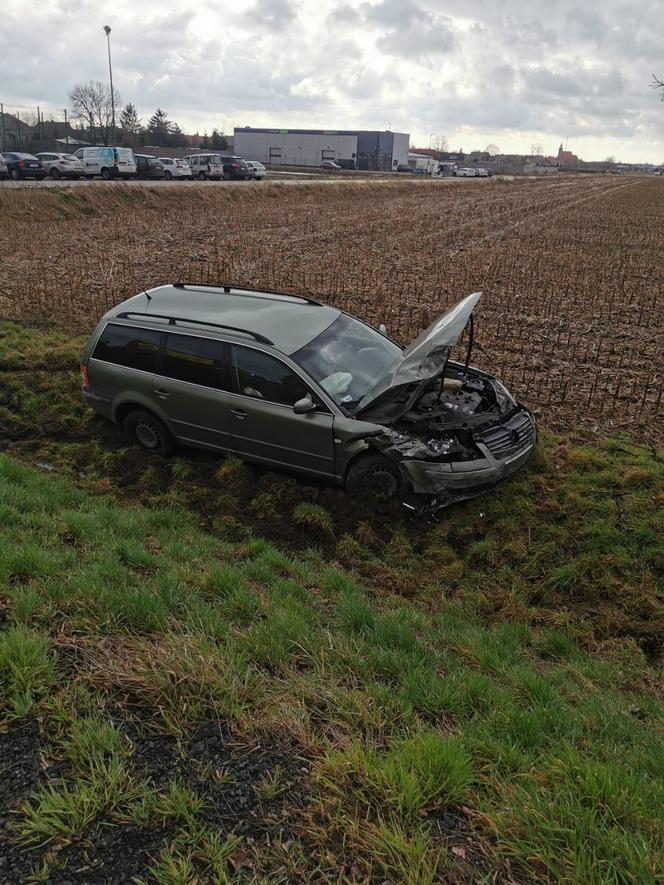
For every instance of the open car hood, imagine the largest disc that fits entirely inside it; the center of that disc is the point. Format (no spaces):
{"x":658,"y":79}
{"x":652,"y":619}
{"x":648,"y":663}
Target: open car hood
{"x":423,"y":359}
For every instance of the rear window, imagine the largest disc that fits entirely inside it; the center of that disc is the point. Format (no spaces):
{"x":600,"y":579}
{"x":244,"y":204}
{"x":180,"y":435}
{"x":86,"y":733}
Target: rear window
{"x":126,"y":346}
{"x":197,"y":360}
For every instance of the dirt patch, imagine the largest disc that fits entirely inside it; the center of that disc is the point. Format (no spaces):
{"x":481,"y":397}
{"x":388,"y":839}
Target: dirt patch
{"x":110,"y":854}
{"x":252,"y":788}
{"x":20,"y":774}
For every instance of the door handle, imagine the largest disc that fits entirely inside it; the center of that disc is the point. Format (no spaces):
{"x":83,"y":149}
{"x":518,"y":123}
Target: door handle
{"x":161,"y":393}
{"x":239,"y":413}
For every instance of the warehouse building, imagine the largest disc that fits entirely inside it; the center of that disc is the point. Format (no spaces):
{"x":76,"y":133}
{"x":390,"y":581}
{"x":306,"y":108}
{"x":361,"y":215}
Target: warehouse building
{"x":379,"y":151}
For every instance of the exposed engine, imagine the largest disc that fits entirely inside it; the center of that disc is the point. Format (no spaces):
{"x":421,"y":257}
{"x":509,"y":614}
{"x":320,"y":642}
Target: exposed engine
{"x":441,"y":424}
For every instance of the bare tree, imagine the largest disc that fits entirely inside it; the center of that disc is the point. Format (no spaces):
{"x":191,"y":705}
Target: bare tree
{"x":658,"y":84}
{"x":439,"y":142}
{"x":536,"y":149}
{"x":492,"y":150}
{"x":92,"y":102}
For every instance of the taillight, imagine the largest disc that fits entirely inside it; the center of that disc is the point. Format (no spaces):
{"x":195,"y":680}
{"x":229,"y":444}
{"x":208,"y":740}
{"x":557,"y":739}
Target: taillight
{"x":85,"y":378}
{"x":21,"y":164}
{"x":236,"y":165}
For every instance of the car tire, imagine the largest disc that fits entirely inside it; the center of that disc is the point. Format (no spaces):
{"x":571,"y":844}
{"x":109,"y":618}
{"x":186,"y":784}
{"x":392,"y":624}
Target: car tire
{"x":106,"y":174}
{"x":201,"y":176}
{"x":15,"y":175}
{"x":376,"y":480}
{"x":168,"y":175}
{"x":55,"y":173}
{"x":144,"y":429}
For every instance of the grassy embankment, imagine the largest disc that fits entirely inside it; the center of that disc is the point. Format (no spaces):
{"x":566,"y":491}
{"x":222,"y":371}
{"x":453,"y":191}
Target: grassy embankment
{"x":402,"y":702}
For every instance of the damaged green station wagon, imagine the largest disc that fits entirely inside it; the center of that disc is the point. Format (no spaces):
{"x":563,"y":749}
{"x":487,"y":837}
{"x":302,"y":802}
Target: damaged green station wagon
{"x":290,"y":382}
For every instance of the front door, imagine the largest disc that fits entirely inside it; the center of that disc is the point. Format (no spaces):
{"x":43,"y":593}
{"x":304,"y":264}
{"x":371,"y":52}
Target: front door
{"x":263,"y":423}
{"x":191,"y":388}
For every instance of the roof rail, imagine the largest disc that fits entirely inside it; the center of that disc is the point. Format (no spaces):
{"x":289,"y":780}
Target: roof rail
{"x":172,"y":321}
{"x":228,"y":290}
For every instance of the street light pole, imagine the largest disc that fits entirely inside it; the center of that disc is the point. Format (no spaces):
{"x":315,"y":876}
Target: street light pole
{"x":430,"y":171}
{"x":110,"y":77}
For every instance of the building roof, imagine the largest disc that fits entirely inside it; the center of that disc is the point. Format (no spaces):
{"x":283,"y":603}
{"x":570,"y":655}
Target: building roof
{"x":272,"y":131}
{"x":288,"y":321}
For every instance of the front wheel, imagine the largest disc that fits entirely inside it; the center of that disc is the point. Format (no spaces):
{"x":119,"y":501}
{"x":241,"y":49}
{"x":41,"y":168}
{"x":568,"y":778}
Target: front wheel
{"x":55,"y":174}
{"x":168,"y":175}
{"x":106,"y":174}
{"x":15,"y":174}
{"x":147,"y":431}
{"x":201,"y":176}
{"x":376,"y":480}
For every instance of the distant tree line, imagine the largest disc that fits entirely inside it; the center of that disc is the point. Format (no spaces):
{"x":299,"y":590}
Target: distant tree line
{"x":92,"y":106}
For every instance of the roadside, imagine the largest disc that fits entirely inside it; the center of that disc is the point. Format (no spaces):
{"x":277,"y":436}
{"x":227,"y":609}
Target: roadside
{"x":183,"y":699}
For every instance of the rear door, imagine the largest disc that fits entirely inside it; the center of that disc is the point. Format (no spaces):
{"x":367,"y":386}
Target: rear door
{"x":125,"y":158}
{"x":263,"y":424}
{"x":191,"y":387}
{"x":123,"y":363}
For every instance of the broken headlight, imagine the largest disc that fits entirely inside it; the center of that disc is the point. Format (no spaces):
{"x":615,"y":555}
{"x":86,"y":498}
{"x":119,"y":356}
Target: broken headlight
{"x":504,"y":398}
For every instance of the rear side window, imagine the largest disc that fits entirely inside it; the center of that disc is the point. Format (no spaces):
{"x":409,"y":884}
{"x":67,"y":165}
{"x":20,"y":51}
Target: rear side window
{"x":264,"y":377}
{"x":197,"y":360}
{"x":125,"y":346}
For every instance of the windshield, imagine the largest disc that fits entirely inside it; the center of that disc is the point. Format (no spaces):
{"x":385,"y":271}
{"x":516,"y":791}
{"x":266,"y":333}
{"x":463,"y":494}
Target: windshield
{"x":347,"y":359}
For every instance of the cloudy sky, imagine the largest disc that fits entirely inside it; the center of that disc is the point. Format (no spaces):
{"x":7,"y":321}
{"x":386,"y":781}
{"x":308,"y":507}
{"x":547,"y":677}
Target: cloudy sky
{"x":513,"y":74}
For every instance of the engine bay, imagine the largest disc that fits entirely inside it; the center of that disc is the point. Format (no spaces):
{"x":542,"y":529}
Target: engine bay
{"x":440,"y":424}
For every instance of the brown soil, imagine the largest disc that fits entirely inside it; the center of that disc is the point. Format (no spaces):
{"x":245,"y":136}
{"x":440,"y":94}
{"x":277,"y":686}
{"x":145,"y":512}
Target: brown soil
{"x":572,"y":317}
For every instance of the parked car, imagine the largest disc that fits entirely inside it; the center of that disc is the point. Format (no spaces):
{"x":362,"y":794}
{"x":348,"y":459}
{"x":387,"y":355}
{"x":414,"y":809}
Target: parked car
{"x":465,"y":172}
{"x":20,"y":166}
{"x":148,"y":166}
{"x":235,"y":169}
{"x":204,"y":166}
{"x":344,"y":163}
{"x":256,"y":170}
{"x":4,"y":172}
{"x":61,"y":165}
{"x":109,"y":162}
{"x":296,"y":384}
{"x":481,"y":173}
{"x":330,"y":165}
{"x":175,"y":168}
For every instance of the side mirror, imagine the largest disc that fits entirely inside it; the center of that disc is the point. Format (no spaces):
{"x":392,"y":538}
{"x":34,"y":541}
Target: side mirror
{"x":304,"y":405}
{"x":382,"y":329}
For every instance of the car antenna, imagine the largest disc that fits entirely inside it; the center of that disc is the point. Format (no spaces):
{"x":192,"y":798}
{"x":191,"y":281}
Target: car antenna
{"x":147,"y":295}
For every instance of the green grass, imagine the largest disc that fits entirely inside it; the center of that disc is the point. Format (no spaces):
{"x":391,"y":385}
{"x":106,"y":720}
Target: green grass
{"x":505,"y":660}
{"x":407,"y":709}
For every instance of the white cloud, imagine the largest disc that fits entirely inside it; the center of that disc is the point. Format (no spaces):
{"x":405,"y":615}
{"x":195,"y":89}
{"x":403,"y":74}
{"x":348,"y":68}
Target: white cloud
{"x":511,"y":73}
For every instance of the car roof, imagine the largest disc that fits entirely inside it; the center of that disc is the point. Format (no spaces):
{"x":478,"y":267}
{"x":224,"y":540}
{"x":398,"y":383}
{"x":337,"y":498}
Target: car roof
{"x":287,"y":322}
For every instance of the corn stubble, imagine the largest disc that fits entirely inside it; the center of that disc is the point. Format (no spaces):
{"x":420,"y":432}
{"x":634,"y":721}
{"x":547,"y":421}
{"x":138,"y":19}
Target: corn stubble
{"x":572,"y":318}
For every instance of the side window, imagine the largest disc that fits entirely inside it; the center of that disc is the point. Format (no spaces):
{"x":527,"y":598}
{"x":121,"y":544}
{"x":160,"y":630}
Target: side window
{"x":264,"y":377}
{"x":198,"y":360}
{"x":126,"y":346}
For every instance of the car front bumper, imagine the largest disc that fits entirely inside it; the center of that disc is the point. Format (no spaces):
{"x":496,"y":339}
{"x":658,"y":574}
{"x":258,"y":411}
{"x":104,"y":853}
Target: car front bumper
{"x":463,"y":479}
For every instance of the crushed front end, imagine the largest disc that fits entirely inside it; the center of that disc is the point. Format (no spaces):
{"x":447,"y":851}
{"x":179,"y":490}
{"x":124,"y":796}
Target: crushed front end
{"x":463,"y":436}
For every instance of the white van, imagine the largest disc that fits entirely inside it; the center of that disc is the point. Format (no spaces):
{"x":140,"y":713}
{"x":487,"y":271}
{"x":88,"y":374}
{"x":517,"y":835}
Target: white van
{"x":109,"y":162}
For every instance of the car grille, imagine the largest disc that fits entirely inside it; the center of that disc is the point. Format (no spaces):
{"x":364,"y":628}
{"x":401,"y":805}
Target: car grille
{"x":505,"y":439}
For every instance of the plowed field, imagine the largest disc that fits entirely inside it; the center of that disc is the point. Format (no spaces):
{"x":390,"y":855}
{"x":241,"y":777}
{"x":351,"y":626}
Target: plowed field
{"x":572,"y":269}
